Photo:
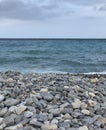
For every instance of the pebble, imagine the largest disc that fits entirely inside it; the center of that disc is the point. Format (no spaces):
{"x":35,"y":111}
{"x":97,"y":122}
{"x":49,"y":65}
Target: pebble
{"x":67,"y":116}
{"x":33,"y":102}
{"x":84,"y":105}
{"x":44,"y":90}
{"x":1,"y":120}
{"x":20,"y":109}
{"x":76,"y":103}
{"x":55,"y":112}
{"x":9,"y":120}
{"x":94,"y":80}
{"x":65,"y":125}
{"x":16,"y":127}
{"x":3,"y":111}
{"x":42,"y":117}
{"x":86,"y":112}
{"x":35,"y":123}
{"x":92,"y":103}
{"x":28,"y":114}
{"x":2,"y":126}
{"x":2,"y":97}
{"x":83,"y":128}
{"x":47,"y":96}
{"x":54,"y":121}
{"x":49,"y":127}
{"x":102,"y":120}
{"x":11,"y":102}
{"x":91,"y":94}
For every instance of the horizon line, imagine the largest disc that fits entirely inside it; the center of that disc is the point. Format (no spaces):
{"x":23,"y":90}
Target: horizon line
{"x":52,"y":38}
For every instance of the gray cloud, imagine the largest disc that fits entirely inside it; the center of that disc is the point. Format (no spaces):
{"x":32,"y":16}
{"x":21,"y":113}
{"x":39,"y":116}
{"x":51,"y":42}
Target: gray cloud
{"x":18,"y":9}
{"x":82,"y":2}
{"x":40,"y":9}
{"x":30,"y":10}
{"x":102,"y":8}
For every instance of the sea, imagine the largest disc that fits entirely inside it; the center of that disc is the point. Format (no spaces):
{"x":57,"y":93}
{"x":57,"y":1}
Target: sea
{"x":53,"y":55}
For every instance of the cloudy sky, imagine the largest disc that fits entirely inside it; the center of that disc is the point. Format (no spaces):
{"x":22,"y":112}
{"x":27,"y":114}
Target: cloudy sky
{"x":52,"y":18}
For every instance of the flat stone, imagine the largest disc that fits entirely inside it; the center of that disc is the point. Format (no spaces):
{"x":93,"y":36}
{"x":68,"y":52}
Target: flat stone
{"x":44,"y":90}
{"x":35,"y":123}
{"x":86,"y":112}
{"x":55,"y":112}
{"x":66,"y":87}
{"x":64,"y":105}
{"x":15,"y":127}
{"x":83,"y":128}
{"x":42,"y":117}
{"x":47,"y":96}
{"x":49,"y":127}
{"x":20,"y":109}
{"x":76,"y":103}
{"x":11,"y":102}
{"x":2,"y":97}
{"x":28,"y":114}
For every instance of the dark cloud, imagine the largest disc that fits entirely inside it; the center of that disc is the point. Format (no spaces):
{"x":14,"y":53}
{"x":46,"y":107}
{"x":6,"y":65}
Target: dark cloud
{"x":39,"y":9}
{"x":18,"y":9}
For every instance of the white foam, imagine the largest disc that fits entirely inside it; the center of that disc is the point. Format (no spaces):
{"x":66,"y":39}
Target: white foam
{"x":104,"y":72}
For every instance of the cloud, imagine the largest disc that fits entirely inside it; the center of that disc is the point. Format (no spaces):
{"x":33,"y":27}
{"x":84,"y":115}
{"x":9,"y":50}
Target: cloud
{"x":30,"y":9}
{"x":102,"y":8}
{"x":43,"y":9}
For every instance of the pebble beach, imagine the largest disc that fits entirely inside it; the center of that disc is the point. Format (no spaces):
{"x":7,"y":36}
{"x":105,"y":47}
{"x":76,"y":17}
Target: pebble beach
{"x":52,"y":101}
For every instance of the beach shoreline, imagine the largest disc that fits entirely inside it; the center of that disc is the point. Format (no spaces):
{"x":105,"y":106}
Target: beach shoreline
{"x":33,"y":101}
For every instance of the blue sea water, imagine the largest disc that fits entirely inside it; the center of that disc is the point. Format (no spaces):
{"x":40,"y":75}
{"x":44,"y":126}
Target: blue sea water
{"x":73,"y":56}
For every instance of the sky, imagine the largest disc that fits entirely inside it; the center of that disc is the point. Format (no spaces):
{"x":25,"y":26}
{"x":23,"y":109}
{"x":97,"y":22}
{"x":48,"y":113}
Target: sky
{"x":52,"y":18}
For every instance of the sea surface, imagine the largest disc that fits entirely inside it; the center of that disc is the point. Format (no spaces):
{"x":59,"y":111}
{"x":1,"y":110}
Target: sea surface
{"x":58,"y":56}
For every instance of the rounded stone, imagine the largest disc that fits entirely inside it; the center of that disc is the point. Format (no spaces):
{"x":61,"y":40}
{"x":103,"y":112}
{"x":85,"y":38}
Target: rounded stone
{"x":92,"y":103}
{"x":83,"y":128}
{"x":86,"y":112}
{"x":67,"y":116}
{"x":49,"y":127}
{"x":76,"y":103}
{"x":54,"y":121}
